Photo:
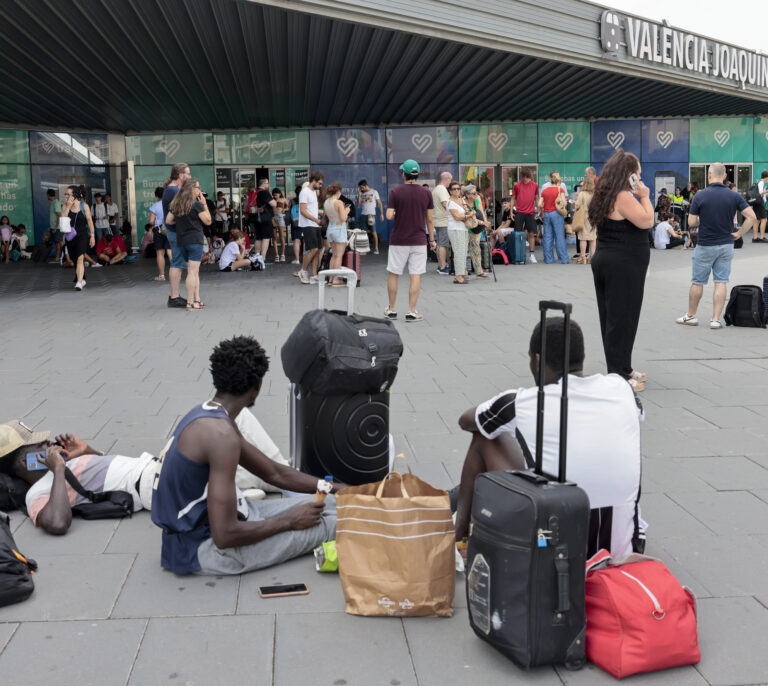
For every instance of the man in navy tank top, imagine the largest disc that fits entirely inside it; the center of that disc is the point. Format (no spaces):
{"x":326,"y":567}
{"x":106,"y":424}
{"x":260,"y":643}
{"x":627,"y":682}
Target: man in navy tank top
{"x":208,"y":526}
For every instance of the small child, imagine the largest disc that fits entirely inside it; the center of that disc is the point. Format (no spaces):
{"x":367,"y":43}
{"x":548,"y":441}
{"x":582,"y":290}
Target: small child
{"x":5,"y":237}
{"x":19,"y":242}
{"x":147,"y":240}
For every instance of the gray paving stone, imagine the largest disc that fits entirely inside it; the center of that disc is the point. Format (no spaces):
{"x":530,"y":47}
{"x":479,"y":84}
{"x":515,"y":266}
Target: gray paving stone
{"x":151,"y":591}
{"x":727,"y":473}
{"x":6,"y":631}
{"x":730,"y":513}
{"x":732,"y":640}
{"x":662,"y":475}
{"x":592,"y":675}
{"x":71,"y":587}
{"x":73,"y":652}
{"x":202,"y":650}
{"x":667,"y":518}
{"x":328,"y":640}
{"x":83,"y":538}
{"x":135,"y":535}
{"x":464,"y":657}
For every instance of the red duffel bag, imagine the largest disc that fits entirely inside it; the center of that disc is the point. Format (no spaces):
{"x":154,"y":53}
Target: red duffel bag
{"x":639,"y":617}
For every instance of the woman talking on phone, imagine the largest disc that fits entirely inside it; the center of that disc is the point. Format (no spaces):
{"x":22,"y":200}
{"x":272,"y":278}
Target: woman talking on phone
{"x":622,"y":213}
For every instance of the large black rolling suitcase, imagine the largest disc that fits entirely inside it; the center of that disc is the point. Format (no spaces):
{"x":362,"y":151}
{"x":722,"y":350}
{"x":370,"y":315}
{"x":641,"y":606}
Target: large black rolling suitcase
{"x":339,"y":424}
{"x":527,"y":551}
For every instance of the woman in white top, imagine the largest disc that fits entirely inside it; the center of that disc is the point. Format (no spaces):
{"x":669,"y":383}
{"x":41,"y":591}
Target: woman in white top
{"x":222,"y":218}
{"x":233,"y":256}
{"x":336,"y":235}
{"x":457,"y":232}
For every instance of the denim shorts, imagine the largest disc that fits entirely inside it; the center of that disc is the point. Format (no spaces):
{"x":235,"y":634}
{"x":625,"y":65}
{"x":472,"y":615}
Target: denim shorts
{"x":191,"y":253}
{"x":177,"y":259}
{"x":337,"y":233}
{"x":714,"y":258}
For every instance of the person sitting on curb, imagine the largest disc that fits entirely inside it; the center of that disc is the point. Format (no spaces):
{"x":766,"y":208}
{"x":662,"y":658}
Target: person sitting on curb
{"x":111,"y":250}
{"x":603,"y":444}
{"x":208,"y":528}
{"x":49,"y":500}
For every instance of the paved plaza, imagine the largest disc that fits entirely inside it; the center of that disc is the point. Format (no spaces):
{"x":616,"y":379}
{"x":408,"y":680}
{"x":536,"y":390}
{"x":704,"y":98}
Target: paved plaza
{"x":116,"y":367}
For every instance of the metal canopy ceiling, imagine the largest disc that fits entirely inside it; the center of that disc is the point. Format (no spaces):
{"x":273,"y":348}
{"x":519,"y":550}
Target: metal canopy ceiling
{"x":164,"y":65}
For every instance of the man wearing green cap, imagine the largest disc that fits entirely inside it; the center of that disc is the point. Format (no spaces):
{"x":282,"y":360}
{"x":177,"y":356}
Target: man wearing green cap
{"x":411,"y":206}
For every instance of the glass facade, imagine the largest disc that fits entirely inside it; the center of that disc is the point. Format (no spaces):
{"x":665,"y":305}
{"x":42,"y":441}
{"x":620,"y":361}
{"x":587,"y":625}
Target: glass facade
{"x":490,"y":155}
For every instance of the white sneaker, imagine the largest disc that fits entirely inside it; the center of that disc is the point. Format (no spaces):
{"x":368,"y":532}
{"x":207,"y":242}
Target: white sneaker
{"x":715,"y":324}
{"x":313,"y":280}
{"x":303,"y":276}
{"x":98,"y":265}
{"x":685,"y":319}
{"x":295,"y":262}
{"x":532,"y":258}
{"x":80,"y":285}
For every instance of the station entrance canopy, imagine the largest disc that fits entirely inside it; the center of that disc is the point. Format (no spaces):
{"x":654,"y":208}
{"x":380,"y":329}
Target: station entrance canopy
{"x":165,"y":65}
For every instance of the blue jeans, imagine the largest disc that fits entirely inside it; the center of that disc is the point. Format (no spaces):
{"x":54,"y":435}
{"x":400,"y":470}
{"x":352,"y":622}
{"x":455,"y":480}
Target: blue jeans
{"x":554,"y":232}
{"x":714,"y":258}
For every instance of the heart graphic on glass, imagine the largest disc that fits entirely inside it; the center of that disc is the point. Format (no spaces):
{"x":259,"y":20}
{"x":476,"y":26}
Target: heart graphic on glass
{"x":421,"y":141}
{"x":564,"y":140}
{"x":665,"y":138}
{"x":347,"y":146}
{"x":498,"y":140}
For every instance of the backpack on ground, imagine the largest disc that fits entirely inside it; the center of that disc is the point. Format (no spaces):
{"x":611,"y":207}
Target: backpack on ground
{"x":498,"y":256}
{"x":15,"y":570}
{"x":746,"y":307}
{"x":358,"y":240}
{"x":13,"y":493}
{"x":753,"y":196}
{"x":639,"y":617}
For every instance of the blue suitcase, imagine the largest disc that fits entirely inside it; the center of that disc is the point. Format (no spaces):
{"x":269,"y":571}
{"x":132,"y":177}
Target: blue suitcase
{"x":517,"y":247}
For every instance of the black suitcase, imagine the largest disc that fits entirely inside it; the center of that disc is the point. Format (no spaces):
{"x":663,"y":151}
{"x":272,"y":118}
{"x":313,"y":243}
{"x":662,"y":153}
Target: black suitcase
{"x":485,"y":255}
{"x":346,"y":436}
{"x":527,"y":552}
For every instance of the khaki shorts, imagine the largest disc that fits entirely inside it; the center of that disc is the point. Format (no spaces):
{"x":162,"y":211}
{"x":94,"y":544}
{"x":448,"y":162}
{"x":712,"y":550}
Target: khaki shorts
{"x":415,"y":256}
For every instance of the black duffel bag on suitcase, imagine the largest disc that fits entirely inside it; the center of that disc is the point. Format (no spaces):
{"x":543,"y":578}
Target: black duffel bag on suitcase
{"x":332,"y":352}
{"x":527,"y":551}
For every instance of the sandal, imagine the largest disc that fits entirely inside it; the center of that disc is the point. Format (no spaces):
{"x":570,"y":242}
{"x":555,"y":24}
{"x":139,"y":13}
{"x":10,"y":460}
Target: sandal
{"x":390,"y":314}
{"x":197,"y":305}
{"x":638,"y":376}
{"x":159,"y":278}
{"x":460,"y":282}
{"x":636,"y":385}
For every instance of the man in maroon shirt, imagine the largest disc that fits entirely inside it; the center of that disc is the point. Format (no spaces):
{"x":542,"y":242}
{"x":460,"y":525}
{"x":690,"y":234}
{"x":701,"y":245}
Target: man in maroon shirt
{"x":524,"y":196}
{"x":411,"y":206}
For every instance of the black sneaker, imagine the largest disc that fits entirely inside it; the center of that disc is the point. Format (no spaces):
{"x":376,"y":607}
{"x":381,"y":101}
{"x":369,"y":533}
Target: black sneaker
{"x":177,"y":302}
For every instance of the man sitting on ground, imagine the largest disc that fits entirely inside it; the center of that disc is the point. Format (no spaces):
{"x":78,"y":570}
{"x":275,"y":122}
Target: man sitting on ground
{"x":111,"y":249}
{"x":665,"y":236}
{"x":603,"y":444}
{"x":207,"y":527}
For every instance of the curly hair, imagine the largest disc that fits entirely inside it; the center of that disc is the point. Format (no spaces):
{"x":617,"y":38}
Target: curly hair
{"x":613,"y":179}
{"x":238,"y":365}
{"x":556,"y":343}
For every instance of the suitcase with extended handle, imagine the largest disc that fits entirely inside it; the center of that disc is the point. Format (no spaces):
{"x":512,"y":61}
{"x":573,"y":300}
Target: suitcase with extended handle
{"x":527,"y":549}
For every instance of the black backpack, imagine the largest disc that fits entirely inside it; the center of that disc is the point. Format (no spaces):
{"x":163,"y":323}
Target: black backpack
{"x":12,"y":493}
{"x":753,"y":196}
{"x":15,"y":570}
{"x":745,"y":307}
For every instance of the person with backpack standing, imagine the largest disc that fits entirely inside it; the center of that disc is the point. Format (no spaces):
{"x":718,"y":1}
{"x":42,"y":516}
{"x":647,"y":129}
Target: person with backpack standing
{"x":712,"y":211}
{"x":756,"y":197}
{"x":554,"y":220}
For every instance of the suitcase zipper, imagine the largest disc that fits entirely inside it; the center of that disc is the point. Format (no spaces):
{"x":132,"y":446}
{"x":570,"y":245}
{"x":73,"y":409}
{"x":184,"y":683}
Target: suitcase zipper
{"x":658,"y":613}
{"x":495,"y":538}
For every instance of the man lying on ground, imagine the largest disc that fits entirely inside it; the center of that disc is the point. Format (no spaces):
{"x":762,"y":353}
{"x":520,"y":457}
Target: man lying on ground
{"x":207,"y":527}
{"x":603,"y":444}
{"x":50,"y":499}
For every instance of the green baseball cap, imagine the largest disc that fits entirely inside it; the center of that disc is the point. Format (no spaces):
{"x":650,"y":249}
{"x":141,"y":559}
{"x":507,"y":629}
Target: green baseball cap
{"x":410,"y":167}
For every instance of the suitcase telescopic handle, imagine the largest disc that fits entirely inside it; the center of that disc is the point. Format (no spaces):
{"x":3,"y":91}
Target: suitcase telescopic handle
{"x":565,"y":308}
{"x":351,"y":277}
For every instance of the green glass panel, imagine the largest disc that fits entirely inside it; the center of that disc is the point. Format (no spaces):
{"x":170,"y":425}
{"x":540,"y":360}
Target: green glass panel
{"x":761,"y":138}
{"x":498,"y":143}
{"x":14,"y":147}
{"x":571,"y":173}
{"x":146,"y":179}
{"x":726,"y":139}
{"x":564,"y":141}
{"x":261,"y":148}
{"x":16,"y":196}
{"x":759,"y":168}
{"x":170,"y":148}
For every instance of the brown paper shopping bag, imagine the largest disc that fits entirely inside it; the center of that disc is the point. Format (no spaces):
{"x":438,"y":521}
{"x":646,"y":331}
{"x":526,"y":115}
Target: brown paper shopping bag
{"x":396,"y":544}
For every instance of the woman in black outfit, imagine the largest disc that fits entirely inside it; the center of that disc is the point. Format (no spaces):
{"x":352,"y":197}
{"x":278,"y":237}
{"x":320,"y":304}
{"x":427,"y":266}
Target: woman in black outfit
{"x":620,"y":266}
{"x":79,"y":214}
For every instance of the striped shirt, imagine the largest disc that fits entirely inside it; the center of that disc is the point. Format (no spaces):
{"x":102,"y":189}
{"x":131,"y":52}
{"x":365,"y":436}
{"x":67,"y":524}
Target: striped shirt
{"x":603,"y":448}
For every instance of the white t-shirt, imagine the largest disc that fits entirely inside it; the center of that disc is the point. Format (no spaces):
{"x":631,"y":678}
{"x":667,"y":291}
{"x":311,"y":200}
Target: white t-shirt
{"x":761,"y":189}
{"x":603,"y":447}
{"x":230,"y":253}
{"x":661,"y":235}
{"x":309,"y":197}
{"x":440,"y":195}
{"x":454,"y":224}
{"x":96,"y":473}
{"x":368,"y":202}
{"x":157,"y":210}
{"x":101,"y":221}
{"x":221,"y":210}
{"x":112,"y":212}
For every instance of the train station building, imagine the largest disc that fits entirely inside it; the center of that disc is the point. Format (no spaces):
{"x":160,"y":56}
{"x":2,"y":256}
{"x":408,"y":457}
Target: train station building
{"x":241,"y":89}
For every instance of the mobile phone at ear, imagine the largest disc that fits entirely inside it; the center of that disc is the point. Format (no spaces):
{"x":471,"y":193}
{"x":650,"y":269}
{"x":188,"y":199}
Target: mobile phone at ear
{"x":282,"y":590}
{"x":33,"y":463}
{"x":633,"y":182}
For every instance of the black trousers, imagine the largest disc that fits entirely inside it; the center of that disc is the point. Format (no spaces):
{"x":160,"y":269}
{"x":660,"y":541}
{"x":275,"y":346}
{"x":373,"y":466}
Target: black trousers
{"x":619,"y":275}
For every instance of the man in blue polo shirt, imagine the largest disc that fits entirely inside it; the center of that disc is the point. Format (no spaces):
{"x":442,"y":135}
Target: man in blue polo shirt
{"x":713,"y":210}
